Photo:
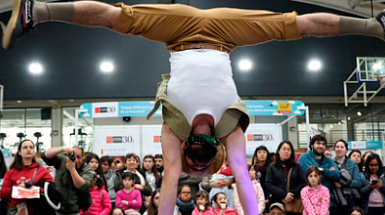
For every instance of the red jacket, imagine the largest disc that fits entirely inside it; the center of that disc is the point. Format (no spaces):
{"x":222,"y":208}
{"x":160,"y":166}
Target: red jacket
{"x":14,"y":177}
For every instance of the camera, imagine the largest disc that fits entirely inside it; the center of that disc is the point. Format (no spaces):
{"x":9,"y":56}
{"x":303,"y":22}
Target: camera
{"x":374,"y":182}
{"x":28,"y":184}
{"x":72,"y":157}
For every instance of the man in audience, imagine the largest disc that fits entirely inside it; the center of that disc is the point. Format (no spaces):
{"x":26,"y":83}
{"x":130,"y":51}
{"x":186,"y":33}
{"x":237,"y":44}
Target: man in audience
{"x":109,"y":176}
{"x":277,"y":209}
{"x":72,"y":178}
{"x":159,"y":163}
{"x":315,"y":157}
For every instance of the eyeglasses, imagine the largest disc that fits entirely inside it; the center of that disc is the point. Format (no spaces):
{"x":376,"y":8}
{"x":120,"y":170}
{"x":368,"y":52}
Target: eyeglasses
{"x":373,"y":165}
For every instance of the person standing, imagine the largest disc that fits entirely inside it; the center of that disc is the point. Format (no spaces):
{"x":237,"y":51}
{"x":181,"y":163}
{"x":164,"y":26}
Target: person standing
{"x":109,"y":175}
{"x":315,"y":197}
{"x":315,"y":157}
{"x":24,"y":172}
{"x":73,"y":178}
{"x":373,"y":189}
{"x":346,"y":190}
{"x":282,"y":170}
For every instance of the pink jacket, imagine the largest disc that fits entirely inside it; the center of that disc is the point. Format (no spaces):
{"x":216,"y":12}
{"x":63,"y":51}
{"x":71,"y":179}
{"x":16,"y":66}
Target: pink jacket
{"x":260,"y":197}
{"x":315,"y":202}
{"x":208,"y":211}
{"x":130,"y":197}
{"x":228,"y":211}
{"x":101,"y":204}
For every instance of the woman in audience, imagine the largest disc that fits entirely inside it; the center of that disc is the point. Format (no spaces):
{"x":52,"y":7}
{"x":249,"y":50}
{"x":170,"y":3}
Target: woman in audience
{"x":258,"y":191}
{"x":93,"y":161}
{"x":154,"y":203}
{"x":261,"y":160}
{"x":185,"y":202}
{"x":350,"y":188}
{"x":101,"y":203}
{"x":355,"y":155}
{"x":278,"y":175}
{"x":151,"y":174}
{"x":315,"y":197}
{"x":220,"y":200}
{"x":109,"y":175}
{"x":364,"y":157}
{"x":141,"y":184}
{"x":24,"y":172}
{"x":373,"y":190}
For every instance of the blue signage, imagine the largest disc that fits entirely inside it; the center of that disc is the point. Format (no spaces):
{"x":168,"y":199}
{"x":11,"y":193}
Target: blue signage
{"x":141,"y":109}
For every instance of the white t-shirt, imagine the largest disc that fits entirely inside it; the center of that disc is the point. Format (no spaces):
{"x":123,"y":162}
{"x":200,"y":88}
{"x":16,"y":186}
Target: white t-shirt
{"x":201,"y":83}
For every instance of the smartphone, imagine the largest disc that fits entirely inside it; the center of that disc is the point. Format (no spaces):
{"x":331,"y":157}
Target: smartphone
{"x":374,"y":182}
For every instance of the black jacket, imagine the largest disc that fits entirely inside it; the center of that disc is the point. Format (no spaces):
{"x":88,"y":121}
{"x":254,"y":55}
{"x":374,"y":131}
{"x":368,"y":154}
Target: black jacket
{"x":276,"y":182}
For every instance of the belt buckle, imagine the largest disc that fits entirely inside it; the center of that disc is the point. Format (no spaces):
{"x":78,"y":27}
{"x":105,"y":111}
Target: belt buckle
{"x":198,"y":46}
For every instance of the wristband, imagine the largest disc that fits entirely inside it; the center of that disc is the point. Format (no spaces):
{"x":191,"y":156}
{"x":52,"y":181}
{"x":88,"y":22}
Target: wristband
{"x":61,"y":149}
{"x":210,"y":184}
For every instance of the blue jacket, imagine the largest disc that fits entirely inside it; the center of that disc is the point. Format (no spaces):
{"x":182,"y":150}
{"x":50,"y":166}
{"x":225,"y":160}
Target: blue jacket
{"x":328,"y":177}
{"x":366,"y":191}
{"x":352,"y":168}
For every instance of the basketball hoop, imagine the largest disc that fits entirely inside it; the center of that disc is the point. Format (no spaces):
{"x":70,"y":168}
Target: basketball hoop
{"x":381,"y":79}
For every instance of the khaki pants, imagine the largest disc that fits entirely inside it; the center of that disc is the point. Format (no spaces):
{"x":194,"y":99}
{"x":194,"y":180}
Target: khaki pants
{"x":227,"y":28}
{"x":224,"y":27}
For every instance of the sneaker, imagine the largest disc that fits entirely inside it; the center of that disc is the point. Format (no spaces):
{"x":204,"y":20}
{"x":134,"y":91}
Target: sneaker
{"x":19,"y":23}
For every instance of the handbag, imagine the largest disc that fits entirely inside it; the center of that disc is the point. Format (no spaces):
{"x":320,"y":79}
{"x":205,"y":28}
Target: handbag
{"x":296,"y":205}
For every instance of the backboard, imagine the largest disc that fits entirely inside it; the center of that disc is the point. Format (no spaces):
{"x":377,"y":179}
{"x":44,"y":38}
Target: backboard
{"x":369,"y":68}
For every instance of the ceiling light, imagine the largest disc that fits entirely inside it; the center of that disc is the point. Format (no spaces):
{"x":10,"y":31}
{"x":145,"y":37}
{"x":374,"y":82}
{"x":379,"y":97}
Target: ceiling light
{"x":339,"y":123}
{"x":245,"y":65}
{"x":359,"y":113}
{"x":331,"y":126}
{"x":377,"y":66}
{"x":107,"y":67}
{"x":314,"y":65}
{"x":36,"y":68}
{"x":18,"y":101}
{"x":348,"y":117}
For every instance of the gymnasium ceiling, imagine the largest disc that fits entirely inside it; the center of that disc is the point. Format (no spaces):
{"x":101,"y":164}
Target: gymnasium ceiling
{"x":71,"y":56}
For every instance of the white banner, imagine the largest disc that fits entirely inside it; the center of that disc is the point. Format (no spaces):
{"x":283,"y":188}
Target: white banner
{"x":269,"y":135}
{"x":116,"y":140}
{"x":151,"y":139}
{"x":109,"y":109}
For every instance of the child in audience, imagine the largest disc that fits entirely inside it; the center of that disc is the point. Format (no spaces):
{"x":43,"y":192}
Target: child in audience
{"x":373,"y":190}
{"x":129,"y":198}
{"x":203,"y":204}
{"x":258,"y":191}
{"x":315,"y":197}
{"x":101,"y":203}
{"x":117,"y":211}
{"x":357,"y":211}
{"x":220,"y":200}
